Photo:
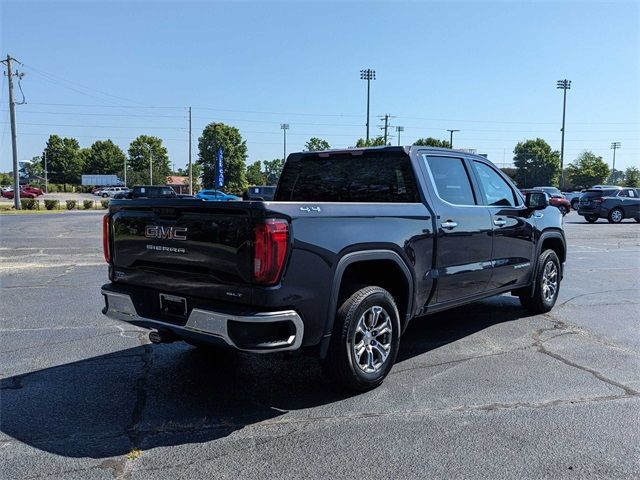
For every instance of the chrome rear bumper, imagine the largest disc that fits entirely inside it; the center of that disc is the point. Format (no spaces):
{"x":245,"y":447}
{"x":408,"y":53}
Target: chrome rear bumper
{"x":119,"y":306}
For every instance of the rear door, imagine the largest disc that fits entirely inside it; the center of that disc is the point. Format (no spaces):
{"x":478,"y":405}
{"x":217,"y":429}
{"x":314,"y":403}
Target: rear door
{"x":463,"y":238}
{"x":512,"y":224}
{"x":630,"y":202}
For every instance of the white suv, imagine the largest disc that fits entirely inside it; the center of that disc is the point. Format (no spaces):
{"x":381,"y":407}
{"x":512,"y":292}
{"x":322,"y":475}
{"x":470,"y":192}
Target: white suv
{"x":111,"y":191}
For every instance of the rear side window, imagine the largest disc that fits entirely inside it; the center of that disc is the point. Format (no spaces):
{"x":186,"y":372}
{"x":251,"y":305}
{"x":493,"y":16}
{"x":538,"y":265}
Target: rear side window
{"x":372,"y":177}
{"x":451,"y":180}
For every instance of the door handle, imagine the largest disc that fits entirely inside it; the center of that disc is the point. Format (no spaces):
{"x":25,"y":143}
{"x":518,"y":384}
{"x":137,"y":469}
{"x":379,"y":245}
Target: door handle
{"x":449,"y":224}
{"x":499,"y":222}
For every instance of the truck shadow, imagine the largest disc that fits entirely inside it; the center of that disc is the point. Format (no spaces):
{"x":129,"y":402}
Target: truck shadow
{"x":163,"y":395}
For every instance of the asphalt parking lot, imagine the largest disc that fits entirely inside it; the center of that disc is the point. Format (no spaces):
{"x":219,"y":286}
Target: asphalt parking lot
{"x":484,"y":391}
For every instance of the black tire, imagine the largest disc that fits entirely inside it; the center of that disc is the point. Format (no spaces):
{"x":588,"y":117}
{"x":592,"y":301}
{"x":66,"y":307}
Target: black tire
{"x":591,"y":218}
{"x":637,"y":220}
{"x":341,"y":362}
{"x":615,"y":215}
{"x":563,"y":210}
{"x":574,"y":204}
{"x":539,"y":301}
{"x":105,"y":195}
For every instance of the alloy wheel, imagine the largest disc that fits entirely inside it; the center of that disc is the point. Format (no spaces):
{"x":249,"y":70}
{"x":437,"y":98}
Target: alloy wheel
{"x":372,"y":339}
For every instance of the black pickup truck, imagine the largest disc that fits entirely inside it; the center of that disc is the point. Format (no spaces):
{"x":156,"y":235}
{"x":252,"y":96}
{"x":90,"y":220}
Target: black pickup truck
{"x":356,"y":244}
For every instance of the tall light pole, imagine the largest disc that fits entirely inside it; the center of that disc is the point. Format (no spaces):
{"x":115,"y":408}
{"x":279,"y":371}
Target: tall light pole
{"x":150,"y":165}
{"x":614,"y":147}
{"x":451,"y":137}
{"x":284,"y":127}
{"x":399,"y":129}
{"x":564,"y":85}
{"x":125,"y":171}
{"x":368,"y":75}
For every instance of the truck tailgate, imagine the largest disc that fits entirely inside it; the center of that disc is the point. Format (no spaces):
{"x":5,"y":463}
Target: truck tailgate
{"x":188,"y":247}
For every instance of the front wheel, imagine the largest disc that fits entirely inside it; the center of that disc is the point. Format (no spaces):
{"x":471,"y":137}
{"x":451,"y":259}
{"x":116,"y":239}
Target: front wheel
{"x":591,"y":218}
{"x":546,"y":284}
{"x":615,"y":216}
{"x":105,"y":195}
{"x":574,"y":204}
{"x":365,"y":340}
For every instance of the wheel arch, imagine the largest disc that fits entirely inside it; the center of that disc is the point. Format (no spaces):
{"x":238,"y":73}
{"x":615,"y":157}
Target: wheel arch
{"x":368,"y":260}
{"x":554,"y":240}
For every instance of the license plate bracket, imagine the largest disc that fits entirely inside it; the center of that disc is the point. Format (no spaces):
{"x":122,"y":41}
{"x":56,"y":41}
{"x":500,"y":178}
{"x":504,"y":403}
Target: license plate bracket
{"x":173,"y":305}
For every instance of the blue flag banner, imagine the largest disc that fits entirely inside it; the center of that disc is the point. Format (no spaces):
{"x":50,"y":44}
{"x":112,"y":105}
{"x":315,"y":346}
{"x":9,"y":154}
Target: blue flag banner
{"x":220,"y":169}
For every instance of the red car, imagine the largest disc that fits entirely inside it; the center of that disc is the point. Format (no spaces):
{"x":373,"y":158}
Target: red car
{"x":23,"y":194}
{"x":30,"y":189}
{"x":555,"y":198}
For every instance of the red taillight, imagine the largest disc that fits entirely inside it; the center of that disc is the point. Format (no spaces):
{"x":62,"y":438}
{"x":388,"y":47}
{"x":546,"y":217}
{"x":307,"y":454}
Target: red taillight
{"x":105,"y":239}
{"x":270,"y":250}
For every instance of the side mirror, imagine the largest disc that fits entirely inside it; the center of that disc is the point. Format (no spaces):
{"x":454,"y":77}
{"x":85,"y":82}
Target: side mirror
{"x":537,"y":200}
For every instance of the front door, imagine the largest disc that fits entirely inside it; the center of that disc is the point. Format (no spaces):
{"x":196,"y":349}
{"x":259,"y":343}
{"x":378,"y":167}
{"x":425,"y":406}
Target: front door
{"x":513,"y":228}
{"x":463,"y":239}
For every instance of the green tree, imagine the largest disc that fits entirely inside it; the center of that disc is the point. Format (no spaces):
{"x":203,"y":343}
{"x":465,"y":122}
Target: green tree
{"x":316,"y":144}
{"x":64,"y":161}
{"x":372,"y":142}
{"x":537,"y":164}
{"x":35,"y":168}
{"x":255,"y":176}
{"x":587,"y":170}
{"x":6,"y":178}
{"x":234,"y":151}
{"x":617,"y":177}
{"x":142,"y":150}
{"x":632,"y":177}
{"x":105,"y":158}
{"x":272,"y":170}
{"x":432,"y":142}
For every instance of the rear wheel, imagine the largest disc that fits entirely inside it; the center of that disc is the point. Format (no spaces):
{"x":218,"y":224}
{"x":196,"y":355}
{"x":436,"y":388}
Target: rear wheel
{"x":365,"y":340}
{"x":105,"y":195}
{"x":591,"y":218}
{"x":546,"y":287}
{"x":616,"y":215}
{"x":563,"y":210}
{"x":574,"y":204}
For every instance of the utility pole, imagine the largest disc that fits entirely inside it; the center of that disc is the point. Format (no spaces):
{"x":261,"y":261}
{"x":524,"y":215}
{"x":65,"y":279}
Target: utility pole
{"x":614,"y":147}
{"x":14,"y":135}
{"x":564,"y":85}
{"x":451,"y":137}
{"x":150,"y":165}
{"x":125,"y":171}
{"x":368,"y":75}
{"x":284,"y":127}
{"x":386,"y":127}
{"x":190,"y":168}
{"x":46,"y":172}
{"x":399,"y":129}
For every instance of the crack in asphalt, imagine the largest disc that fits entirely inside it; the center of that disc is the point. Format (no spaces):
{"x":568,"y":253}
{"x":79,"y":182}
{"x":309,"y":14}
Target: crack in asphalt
{"x":539,"y":344}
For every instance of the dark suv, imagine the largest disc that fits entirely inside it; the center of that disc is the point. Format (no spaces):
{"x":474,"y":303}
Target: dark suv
{"x":614,"y":204}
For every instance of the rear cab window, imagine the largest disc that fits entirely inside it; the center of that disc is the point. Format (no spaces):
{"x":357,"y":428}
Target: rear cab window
{"x":371,"y":177}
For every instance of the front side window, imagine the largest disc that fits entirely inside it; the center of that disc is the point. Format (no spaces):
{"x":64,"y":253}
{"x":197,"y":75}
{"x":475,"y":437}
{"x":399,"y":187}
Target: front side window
{"x":495,"y":189}
{"x":451,"y":180}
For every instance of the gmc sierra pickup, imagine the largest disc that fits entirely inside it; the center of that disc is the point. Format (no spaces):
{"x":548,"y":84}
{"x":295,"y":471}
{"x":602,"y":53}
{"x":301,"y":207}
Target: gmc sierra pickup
{"x":356,"y":244}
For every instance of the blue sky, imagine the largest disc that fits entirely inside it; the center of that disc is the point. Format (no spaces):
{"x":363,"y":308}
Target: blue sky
{"x":95,"y":69}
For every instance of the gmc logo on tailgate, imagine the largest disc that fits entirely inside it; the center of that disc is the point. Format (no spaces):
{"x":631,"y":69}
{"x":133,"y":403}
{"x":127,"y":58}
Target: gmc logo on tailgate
{"x":165,"y":233}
